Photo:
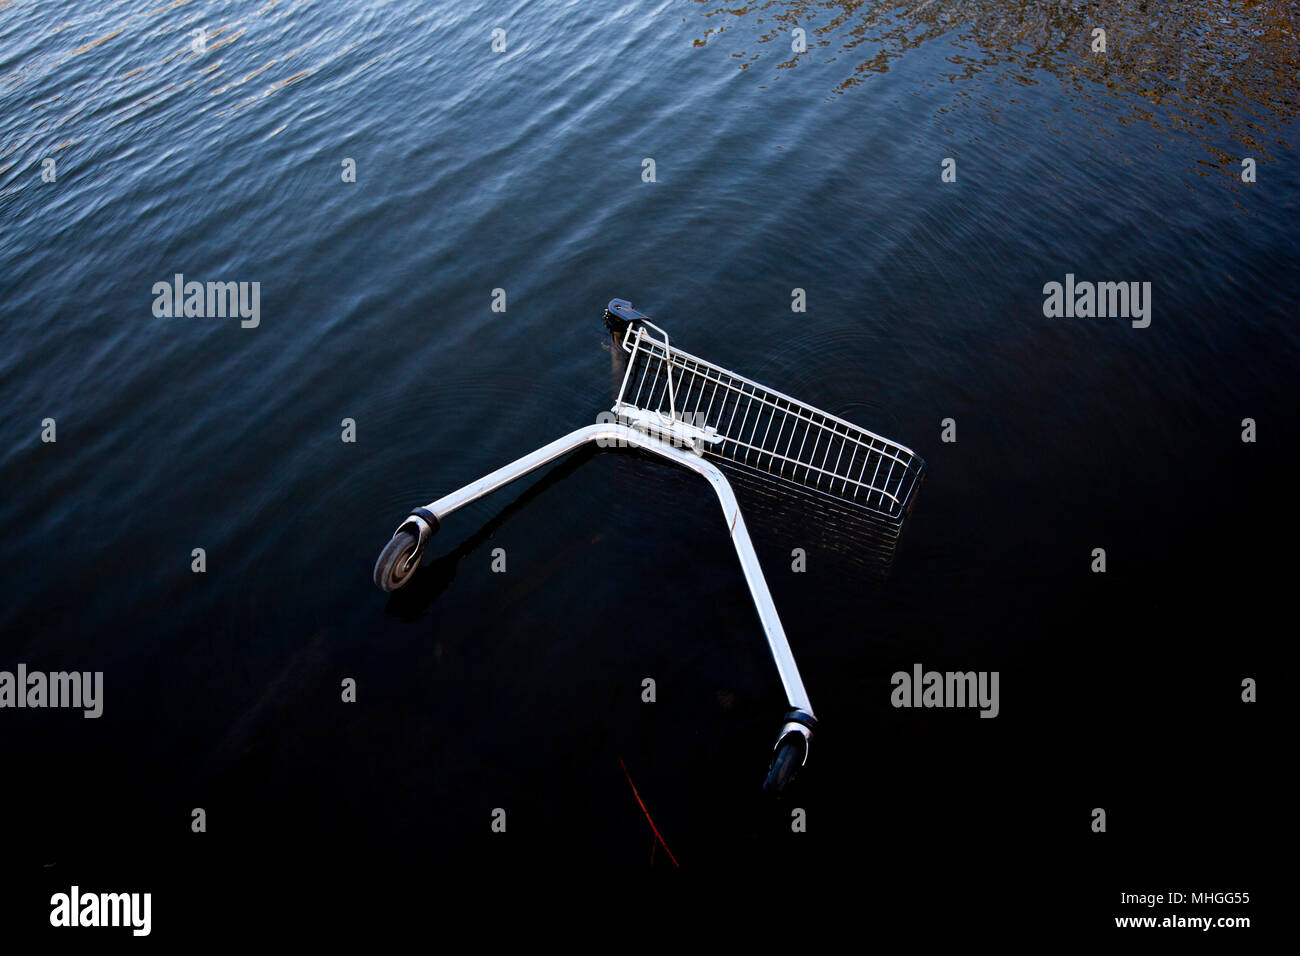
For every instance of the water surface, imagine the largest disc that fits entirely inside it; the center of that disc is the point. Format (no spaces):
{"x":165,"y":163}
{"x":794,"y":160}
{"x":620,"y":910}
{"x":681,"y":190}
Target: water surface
{"x":522,"y":171}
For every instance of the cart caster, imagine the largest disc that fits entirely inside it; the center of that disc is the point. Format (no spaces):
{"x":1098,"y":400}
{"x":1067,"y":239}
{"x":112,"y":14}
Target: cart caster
{"x":401,"y":556}
{"x":398,"y":561}
{"x":786,"y":763}
{"x":791,"y":751}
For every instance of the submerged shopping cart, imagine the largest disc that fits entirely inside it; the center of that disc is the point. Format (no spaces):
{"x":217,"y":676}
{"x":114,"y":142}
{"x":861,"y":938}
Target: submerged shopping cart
{"x":693,"y":413}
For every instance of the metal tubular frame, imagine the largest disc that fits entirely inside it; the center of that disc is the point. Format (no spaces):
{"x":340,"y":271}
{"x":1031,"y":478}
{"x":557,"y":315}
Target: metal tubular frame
{"x":622,"y":436}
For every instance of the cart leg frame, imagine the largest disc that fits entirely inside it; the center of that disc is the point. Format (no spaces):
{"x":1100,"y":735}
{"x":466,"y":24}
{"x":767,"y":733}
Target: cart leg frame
{"x":423,"y":522}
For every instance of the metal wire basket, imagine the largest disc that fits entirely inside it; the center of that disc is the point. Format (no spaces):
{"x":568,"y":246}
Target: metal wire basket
{"x":730,"y":417}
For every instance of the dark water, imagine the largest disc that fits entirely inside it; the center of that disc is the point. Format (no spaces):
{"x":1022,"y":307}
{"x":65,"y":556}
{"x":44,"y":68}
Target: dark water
{"x":522,"y":171}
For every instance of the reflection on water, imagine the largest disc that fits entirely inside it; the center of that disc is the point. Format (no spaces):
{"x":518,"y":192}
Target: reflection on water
{"x":1203,"y":67}
{"x":143,"y":62}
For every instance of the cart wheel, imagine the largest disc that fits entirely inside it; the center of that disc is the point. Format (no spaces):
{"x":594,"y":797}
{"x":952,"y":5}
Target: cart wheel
{"x":786,"y":763}
{"x":397,"y":562}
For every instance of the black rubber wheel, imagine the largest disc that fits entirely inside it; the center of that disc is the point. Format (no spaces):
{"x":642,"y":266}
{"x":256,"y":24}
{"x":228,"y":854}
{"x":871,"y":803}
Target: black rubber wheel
{"x":397,"y":562}
{"x":786,"y":763}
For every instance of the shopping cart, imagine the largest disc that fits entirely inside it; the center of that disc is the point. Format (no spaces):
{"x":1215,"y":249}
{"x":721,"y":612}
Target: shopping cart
{"x":693,"y":413}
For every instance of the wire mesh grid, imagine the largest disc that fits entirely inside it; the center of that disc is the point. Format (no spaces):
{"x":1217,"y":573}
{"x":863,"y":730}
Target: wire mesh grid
{"x":767,"y":431}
